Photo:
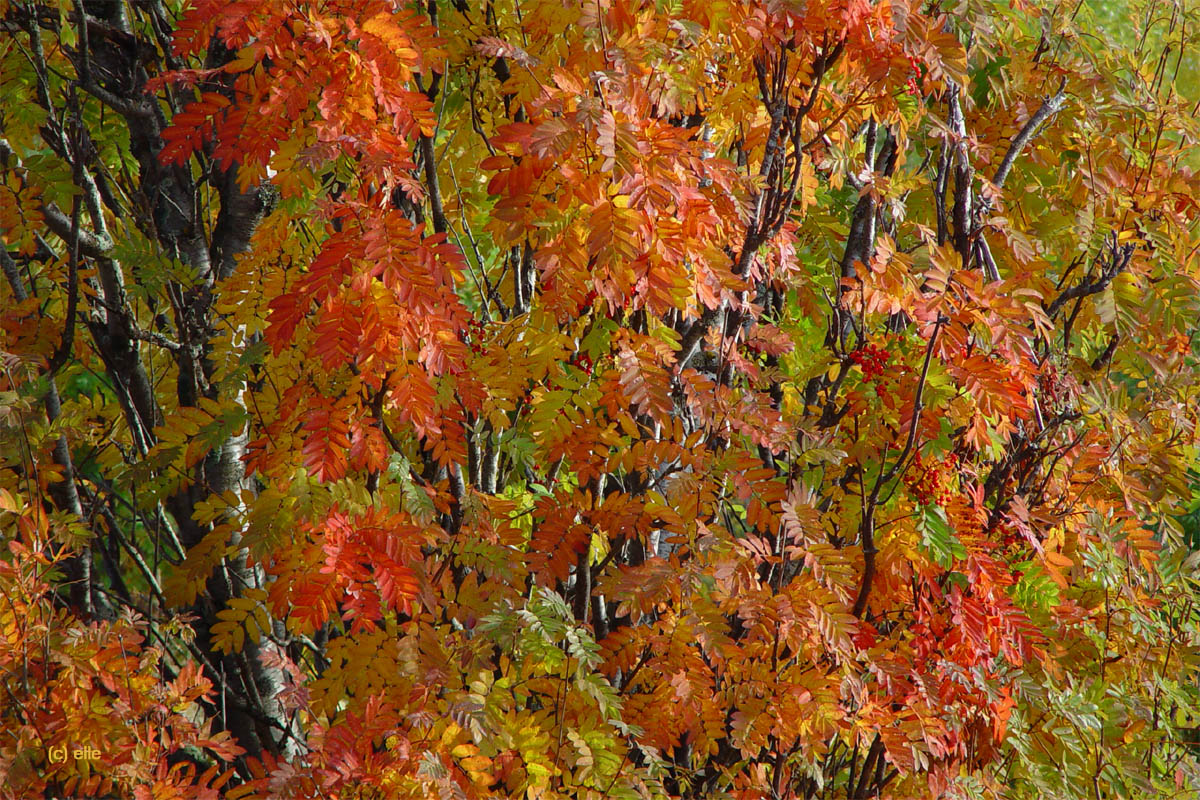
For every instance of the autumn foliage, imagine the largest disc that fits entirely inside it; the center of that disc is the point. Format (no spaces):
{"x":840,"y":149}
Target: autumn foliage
{"x":599,"y":399}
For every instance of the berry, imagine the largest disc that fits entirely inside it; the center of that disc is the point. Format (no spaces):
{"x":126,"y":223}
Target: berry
{"x":583,"y":361}
{"x":474,"y":334}
{"x":916,"y":80}
{"x":926,"y":482}
{"x":871,"y":359}
{"x":586,"y":303}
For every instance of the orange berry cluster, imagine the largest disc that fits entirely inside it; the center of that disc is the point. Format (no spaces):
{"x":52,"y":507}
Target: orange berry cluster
{"x":872,"y":359}
{"x":926,"y":482}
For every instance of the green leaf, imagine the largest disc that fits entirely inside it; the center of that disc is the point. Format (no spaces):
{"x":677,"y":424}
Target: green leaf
{"x":1035,"y":590}
{"x":938,"y":538}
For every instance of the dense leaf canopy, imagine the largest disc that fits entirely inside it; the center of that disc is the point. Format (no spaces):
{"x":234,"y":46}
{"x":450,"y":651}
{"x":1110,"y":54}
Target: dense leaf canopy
{"x":599,"y":399}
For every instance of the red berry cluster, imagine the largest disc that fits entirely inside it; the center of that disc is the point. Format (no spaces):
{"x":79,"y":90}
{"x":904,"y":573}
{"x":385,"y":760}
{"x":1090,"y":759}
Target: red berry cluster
{"x":872,"y":359}
{"x":926,"y":482}
{"x":587,"y":302}
{"x":914,"y":80}
{"x":475,"y":332}
{"x":1011,"y":537}
{"x":583,"y":361}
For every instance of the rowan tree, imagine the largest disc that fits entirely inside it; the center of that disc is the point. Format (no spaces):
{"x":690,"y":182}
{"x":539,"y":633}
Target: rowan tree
{"x":599,"y":399}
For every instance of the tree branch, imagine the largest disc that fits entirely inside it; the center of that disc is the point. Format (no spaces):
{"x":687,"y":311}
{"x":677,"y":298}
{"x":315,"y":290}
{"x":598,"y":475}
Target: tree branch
{"x":1119,"y":258}
{"x":867,"y":527}
{"x":1050,"y":106}
{"x":90,"y":244}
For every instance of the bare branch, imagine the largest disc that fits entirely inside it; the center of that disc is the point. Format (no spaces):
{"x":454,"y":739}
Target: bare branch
{"x":68,"y":340}
{"x":963,"y":175}
{"x":1119,"y":258}
{"x":1050,"y":106}
{"x":90,"y":244}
